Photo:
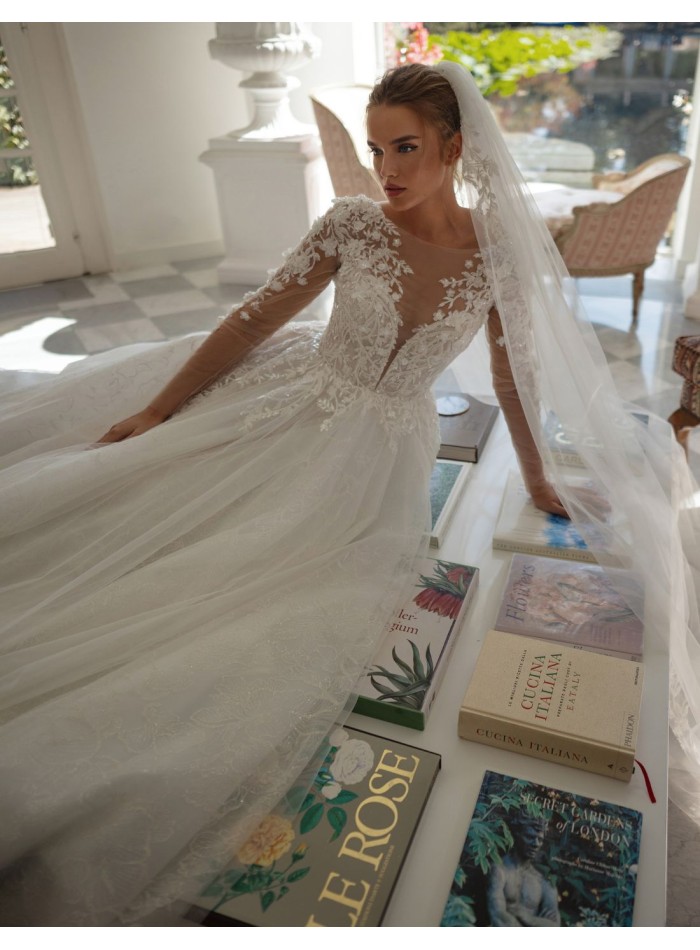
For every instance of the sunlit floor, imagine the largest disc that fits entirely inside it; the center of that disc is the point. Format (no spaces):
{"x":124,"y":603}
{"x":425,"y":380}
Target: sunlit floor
{"x":46,"y":327}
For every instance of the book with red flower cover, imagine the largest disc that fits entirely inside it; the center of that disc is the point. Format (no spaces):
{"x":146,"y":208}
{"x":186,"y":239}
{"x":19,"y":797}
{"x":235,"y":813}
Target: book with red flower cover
{"x":333,"y":856}
{"x":403,"y":679}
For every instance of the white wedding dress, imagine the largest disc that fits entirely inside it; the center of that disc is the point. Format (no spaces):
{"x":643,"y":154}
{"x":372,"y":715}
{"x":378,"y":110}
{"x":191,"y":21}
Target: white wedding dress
{"x":185,"y":614}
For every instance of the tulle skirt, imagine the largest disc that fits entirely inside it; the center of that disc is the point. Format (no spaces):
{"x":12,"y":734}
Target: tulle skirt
{"x":184,"y":616}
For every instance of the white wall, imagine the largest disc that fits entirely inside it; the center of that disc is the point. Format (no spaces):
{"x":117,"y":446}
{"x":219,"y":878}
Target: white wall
{"x":151,"y":98}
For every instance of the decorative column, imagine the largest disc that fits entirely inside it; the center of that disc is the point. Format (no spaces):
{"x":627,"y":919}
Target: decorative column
{"x":270,"y":176}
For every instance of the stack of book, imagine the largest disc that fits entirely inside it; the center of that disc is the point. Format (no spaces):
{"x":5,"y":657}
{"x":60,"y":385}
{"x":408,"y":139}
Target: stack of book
{"x":465,"y":425}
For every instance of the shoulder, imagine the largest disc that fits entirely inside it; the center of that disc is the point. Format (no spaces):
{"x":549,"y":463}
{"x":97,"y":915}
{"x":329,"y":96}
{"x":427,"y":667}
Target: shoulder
{"x":353,"y":207}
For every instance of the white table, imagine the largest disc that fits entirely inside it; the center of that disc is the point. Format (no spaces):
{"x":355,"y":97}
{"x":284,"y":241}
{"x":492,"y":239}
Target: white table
{"x":425,"y":880}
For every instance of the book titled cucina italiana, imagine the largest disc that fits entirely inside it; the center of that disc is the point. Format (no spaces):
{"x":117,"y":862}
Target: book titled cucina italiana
{"x":553,"y":702}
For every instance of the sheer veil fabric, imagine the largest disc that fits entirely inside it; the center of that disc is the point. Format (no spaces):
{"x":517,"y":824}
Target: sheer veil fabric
{"x":636,"y":465}
{"x":186,"y":613}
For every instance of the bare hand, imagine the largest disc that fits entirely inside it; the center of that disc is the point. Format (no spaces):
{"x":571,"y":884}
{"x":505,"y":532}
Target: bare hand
{"x":135,"y":425}
{"x":546,"y":499}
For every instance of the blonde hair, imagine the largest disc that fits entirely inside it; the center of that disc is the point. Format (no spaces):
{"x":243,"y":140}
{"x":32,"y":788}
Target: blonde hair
{"x":426,"y":92}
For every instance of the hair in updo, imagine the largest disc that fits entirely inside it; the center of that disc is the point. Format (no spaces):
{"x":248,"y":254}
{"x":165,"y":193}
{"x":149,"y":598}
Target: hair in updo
{"x":424,"y":90}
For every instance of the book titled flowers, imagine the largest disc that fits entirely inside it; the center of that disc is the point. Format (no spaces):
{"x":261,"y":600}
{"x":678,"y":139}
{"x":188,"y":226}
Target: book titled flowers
{"x":582,"y":605}
{"x":406,"y":671}
{"x":536,"y":856}
{"x":332,"y":857}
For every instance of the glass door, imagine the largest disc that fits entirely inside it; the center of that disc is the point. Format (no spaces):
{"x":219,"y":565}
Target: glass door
{"x":38,"y":236}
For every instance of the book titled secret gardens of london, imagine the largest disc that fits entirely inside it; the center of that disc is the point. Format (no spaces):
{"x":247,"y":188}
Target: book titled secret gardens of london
{"x":402,"y":681}
{"x":536,"y":856}
{"x":336,"y":861}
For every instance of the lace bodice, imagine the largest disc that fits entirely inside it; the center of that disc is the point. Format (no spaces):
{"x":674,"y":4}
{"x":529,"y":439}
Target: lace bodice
{"x":403,"y":310}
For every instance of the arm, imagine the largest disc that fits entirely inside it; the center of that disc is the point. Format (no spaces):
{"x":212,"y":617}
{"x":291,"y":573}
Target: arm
{"x":499,"y":915}
{"x":525,"y":446}
{"x":305,"y":273}
{"x":547,"y":914}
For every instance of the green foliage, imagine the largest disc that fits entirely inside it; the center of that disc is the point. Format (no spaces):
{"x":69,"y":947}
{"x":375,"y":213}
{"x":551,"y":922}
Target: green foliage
{"x":13,"y":171}
{"x":459,"y":912}
{"x":500,"y":60}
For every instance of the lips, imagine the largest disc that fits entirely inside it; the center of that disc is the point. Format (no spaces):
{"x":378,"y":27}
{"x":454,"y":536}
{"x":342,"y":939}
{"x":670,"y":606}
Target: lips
{"x":393,"y":190}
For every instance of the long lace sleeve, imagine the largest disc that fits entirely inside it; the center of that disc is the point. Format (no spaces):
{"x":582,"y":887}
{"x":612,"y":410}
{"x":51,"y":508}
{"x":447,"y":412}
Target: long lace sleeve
{"x":507,"y":394}
{"x":307,"y":270}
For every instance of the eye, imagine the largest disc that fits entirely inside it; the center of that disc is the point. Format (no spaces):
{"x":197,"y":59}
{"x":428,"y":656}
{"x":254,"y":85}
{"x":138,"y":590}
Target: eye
{"x":373,"y":150}
{"x":406,"y":147}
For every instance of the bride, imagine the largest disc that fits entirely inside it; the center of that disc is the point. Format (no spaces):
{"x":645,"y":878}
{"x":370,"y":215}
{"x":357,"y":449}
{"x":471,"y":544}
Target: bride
{"x":190,"y":594}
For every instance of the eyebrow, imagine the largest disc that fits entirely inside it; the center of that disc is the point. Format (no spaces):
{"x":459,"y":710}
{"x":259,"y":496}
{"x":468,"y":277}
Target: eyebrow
{"x":398,"y":141}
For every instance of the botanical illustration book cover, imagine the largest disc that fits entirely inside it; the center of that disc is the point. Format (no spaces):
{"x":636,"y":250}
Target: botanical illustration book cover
{"x":447,"y":482}
{"x":463,"y":435}
{"x":536,"y":856}
{"x":403,"y":679}
{"x":576,"y":603}
{"x":523,"y":527}
{"x":336,"y":861}
{"x":544,"y":699}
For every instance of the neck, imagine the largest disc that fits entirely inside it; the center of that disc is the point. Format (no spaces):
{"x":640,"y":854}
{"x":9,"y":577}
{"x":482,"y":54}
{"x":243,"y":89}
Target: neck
{"x":438,"y":220}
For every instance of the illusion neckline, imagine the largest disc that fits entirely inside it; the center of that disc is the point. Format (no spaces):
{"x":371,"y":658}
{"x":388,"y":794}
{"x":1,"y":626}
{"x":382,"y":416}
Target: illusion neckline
{"x":469,"y":251}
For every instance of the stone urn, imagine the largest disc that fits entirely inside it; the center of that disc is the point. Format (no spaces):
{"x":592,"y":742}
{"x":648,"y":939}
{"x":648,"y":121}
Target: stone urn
{"x":268,"y":51}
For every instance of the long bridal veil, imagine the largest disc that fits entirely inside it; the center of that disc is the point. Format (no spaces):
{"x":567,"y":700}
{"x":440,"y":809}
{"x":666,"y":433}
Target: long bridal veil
{"x":642,"y":505}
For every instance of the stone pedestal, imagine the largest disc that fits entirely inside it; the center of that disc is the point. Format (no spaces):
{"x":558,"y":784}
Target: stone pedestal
{"x":269,"y":192}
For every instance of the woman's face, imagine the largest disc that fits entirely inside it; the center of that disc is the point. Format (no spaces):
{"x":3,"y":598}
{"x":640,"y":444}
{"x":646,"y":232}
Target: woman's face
{"x":408,"y":157}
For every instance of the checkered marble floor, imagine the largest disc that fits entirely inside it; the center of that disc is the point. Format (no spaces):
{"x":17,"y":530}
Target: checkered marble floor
{"x":46,"y":327}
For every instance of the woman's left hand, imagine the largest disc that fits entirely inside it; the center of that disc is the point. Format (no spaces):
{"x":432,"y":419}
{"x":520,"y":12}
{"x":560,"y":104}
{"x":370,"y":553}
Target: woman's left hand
{"x":546,"y":499}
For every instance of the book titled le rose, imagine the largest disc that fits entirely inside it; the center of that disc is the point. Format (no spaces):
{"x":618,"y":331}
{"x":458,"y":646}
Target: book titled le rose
{"x":334,"y":860}
{"x":553,"y":702}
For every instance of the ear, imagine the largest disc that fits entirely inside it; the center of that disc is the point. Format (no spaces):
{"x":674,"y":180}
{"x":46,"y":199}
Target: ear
{"x":454,"y":149}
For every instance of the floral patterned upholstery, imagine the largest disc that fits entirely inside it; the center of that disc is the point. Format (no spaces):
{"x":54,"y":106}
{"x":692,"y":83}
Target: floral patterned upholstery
{"x":622,"y":238}
{"x":340,"y":139}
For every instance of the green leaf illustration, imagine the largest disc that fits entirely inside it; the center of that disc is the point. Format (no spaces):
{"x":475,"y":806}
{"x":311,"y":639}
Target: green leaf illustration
{"x":299,"y":873}
{"x":311,"y":818}
{"x":343,"y":797}
{"x":267,"y":899}
{"x":337,"y":819}
{"x":308,"y":801}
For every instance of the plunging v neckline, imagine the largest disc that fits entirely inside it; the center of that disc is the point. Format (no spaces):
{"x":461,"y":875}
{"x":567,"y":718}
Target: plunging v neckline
{"x":468,"y":254}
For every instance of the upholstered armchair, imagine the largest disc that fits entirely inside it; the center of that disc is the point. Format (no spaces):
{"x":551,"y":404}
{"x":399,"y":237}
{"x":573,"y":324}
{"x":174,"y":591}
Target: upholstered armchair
{"x":620,"y":232}
{"x":344,"y":140}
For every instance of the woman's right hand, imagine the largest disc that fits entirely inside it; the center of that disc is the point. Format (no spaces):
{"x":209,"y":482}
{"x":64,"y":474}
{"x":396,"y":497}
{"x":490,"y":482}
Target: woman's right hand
{"x":147,"y":419}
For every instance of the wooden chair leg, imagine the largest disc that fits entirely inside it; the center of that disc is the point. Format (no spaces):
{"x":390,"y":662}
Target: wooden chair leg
{"x":637,"y":291}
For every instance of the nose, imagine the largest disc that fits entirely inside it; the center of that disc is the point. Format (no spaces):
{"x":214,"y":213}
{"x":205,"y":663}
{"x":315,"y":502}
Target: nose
{"x":386,"y":167}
